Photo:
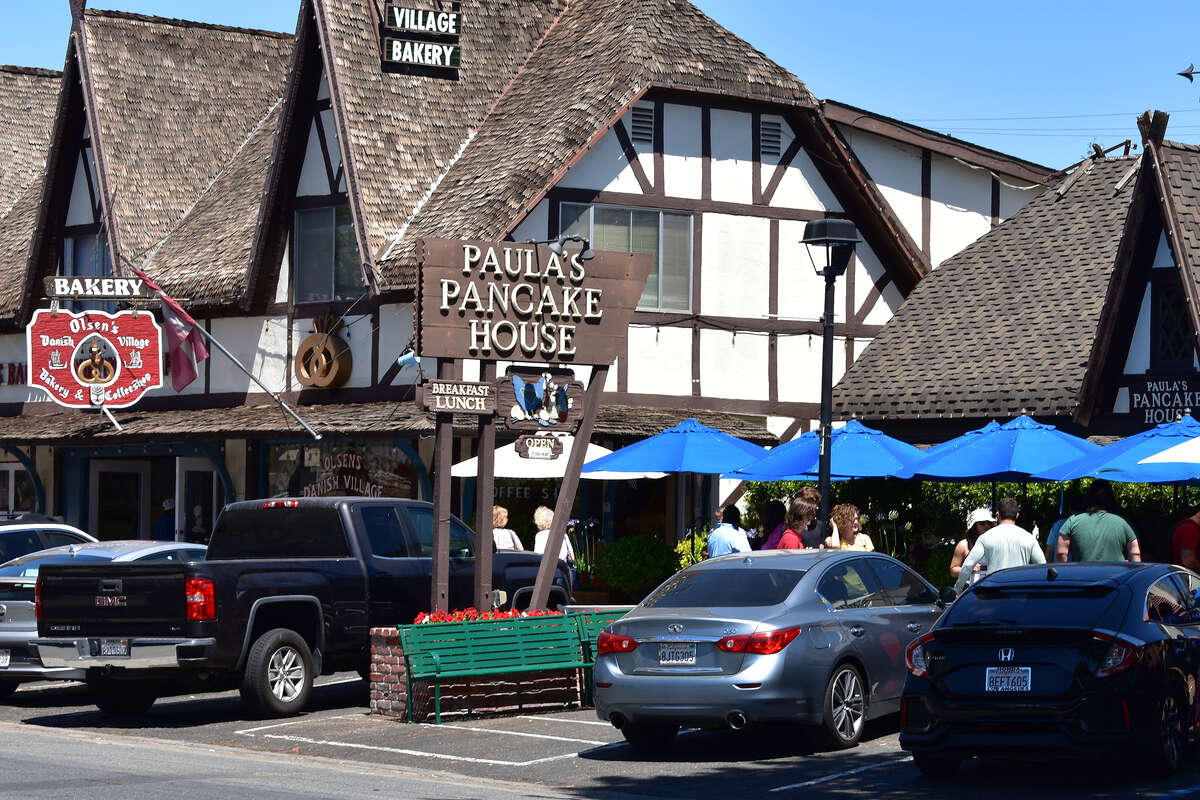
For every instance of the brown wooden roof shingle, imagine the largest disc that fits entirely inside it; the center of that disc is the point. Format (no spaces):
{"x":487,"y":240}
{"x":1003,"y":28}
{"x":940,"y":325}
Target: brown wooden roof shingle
{"x":1006,"y":326}
{"x":28,"y":99}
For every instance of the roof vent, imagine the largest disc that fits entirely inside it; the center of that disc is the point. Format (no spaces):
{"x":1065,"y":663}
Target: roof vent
{"x":643,"y":124}
{"x":771,"y":136}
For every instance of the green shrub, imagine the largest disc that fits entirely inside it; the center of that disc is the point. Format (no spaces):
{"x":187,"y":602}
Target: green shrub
{"x":634,"y":565}
{"x":690,"y":549}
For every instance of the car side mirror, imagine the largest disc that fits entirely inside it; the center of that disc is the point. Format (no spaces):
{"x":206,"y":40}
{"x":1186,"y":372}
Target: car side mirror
{"x":947,"y":595}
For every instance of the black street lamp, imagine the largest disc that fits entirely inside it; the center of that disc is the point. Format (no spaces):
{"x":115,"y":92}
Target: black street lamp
{"x":839,"y":237}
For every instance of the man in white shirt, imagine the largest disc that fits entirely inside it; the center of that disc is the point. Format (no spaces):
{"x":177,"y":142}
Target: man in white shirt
{"x":728,"y":537}
{"x":1006,"y":545}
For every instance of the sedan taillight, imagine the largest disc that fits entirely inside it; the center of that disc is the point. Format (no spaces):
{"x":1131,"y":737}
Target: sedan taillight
{"x":1120,"y":656}
{"x":201,"y":601}
{"x":613,"y":643}
{"x":764,"y":643}
{"x":914,"y":656}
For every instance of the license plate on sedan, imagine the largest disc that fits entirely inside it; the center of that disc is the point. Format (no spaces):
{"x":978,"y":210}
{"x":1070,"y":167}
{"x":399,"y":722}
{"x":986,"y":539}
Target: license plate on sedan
{"x":114,"y":647}
{"x":676,"y":653}
{"x":5,"y":657}
{"x":1008,"y":679}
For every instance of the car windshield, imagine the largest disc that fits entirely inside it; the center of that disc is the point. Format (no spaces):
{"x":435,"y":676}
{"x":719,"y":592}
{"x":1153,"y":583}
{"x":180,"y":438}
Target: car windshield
{"x":730,"y":588}
{"x":1036,"y":606}
{"x":28,"y":567}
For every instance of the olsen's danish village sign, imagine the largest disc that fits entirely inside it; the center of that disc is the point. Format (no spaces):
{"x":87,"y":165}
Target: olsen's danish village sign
{"x":93,"y":359}
{"x":495,"y":301}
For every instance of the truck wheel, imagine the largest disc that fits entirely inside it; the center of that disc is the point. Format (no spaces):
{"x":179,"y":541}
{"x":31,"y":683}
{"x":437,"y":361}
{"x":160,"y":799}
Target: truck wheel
{"x":121,"y":698}
{"x":278,"y":676}
{"x":7,"y":688}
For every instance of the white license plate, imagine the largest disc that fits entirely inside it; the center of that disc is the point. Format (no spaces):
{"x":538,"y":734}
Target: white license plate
{"x":114,"y":647}
{"x":1008,"y":679}
{"x":676,"y":653}
{"x":5,"y":655}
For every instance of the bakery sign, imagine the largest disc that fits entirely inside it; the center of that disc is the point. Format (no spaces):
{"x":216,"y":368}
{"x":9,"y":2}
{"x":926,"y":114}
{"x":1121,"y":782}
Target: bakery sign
{"x":93,"y":358}
{"x":1158,"y":400}
{"x":522,"y":302}
{"x":435,"y":51}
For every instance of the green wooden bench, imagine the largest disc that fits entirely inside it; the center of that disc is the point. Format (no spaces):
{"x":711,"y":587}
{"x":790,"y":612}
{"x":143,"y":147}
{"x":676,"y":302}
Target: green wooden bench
{"x":433,"y":651}
{"x":590,"y":625}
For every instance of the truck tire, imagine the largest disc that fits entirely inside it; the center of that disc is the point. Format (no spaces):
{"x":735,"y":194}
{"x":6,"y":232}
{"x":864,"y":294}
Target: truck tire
{"x":7,"y":687}
{"x":121,"y":698}
{"x":279,"y":674}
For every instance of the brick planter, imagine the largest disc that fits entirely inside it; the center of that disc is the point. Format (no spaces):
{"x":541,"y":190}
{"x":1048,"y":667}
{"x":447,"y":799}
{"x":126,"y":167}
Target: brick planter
{"x":489,"y":693}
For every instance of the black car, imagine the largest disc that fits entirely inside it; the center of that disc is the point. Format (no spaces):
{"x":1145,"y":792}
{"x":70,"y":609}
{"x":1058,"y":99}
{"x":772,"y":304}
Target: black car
{"x":1058,"y":658}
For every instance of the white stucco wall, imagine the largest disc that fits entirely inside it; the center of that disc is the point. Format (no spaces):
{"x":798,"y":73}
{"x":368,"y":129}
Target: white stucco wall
{"x":356,"y":332}
{"x":961,"y":210}
{"x":683,"y":154}
{"x":896,"y":170}
{"x":605,"y":165}
{"x":395,"y":331}
{"x":1137,"y":362}
{"x":1162,"y":253}
{"x":661,"y":361}
{"x":732,"y":148}
{"x":535,"y":224}
{"x":79,"y":209}
{"x":734,"y":365}
{"x":800,"y":367}
{"x":801,"y":290}
{"x":12,"y":350}
{"x":870,"y":269}
{"x":260,"y":343}
{"x":735,"y":277}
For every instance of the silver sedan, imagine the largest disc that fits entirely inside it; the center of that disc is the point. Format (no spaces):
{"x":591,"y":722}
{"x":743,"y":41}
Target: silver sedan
{"x":813,"y":637}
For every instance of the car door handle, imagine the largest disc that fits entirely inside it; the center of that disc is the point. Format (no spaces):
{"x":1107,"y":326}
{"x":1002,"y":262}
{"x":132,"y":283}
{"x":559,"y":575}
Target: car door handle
{"x":858,"y":630}
{"x":914,"y":626}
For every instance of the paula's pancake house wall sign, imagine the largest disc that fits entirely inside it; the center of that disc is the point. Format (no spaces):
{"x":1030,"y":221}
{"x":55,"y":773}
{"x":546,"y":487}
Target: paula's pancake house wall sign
{"x":94,"y":358}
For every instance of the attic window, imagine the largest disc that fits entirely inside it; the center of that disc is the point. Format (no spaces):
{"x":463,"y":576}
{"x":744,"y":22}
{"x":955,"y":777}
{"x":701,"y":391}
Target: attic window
{"x":643,"y":124}
{"x":771,"y":137}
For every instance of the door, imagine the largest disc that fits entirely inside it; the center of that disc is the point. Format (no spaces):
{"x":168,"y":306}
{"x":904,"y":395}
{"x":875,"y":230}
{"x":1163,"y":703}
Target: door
{"x":848,"y":586}
{"x":462,"y":554}
{"x":197,"y":499}
{"x":398,"y":575}
{"x":119,"y":499}
{"x":908,"y":607}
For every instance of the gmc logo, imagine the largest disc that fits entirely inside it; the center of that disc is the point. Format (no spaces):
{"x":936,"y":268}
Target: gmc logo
{"x":110,"y":601}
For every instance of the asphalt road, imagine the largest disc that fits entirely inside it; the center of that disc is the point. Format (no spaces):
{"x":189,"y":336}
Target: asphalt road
{"x":55,"y":744}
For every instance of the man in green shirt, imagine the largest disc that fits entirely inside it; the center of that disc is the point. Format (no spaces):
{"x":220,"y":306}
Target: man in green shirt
{"x":1097,"y":534}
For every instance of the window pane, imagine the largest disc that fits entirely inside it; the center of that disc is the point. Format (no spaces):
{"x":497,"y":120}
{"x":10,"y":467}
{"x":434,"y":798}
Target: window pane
{"x":309,"y":532}
{"x":461,"y":540}
{"x":384,"y":531}
{"x":573,"y":220}
{"x":645,"y":240}
{"x":900,"y":587}
{"x":24,"y":493}
{"x":846,"y":586}
{"x":314,"y":254}
{"x":421,"y":518}
{"x":612,"y":230}
{"x":347,"y":275}
{"x":705,"y":588}
{"x":677,"y":261}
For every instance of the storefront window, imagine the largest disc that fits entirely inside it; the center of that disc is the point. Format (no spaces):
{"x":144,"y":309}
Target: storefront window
{"x":340,"y":469}
{"x":326,"y":257}
{"x":665,"y":235}
{"x":17,"y":492}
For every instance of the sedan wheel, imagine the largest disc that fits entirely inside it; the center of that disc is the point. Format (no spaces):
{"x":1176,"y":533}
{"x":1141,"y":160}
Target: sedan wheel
{"x":845,"y":707}
{"x":1168,"y":743}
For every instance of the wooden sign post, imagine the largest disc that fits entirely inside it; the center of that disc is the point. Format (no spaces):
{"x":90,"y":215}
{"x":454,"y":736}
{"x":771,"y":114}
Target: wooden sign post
{"x":517,"y":302}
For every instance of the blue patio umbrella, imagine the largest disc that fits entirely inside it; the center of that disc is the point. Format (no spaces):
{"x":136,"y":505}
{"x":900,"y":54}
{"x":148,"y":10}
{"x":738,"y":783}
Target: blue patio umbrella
{"x":687,"y":447}
{"x":855,"y":451}
{"x":1015,"y":451}
{"x":1119,"y":460}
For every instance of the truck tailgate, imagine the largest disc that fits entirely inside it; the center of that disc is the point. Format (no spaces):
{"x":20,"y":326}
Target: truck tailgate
{"x":113,"y":599}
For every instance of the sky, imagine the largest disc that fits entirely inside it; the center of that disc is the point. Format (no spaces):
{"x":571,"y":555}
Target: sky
{"x":1039,"y":80}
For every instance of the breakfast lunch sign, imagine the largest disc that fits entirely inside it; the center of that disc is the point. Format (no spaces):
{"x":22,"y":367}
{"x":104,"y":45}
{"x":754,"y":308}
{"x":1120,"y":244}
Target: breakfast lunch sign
{"x":93,"y":358}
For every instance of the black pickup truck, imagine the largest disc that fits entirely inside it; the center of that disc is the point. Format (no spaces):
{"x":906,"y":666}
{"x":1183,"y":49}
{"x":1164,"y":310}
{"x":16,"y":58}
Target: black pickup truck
{"x":288,"y":590}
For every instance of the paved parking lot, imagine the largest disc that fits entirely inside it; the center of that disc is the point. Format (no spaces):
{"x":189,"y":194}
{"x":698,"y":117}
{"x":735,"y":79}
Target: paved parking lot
{"x":571,"y":752}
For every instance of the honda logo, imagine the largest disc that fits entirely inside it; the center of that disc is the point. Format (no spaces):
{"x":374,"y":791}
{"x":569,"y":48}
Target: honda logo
{"x":1006,"y":654}
{"x":675,"y":627}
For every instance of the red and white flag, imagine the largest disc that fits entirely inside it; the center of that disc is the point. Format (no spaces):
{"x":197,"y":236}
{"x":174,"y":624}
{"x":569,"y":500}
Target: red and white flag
{"x":185,"y":344}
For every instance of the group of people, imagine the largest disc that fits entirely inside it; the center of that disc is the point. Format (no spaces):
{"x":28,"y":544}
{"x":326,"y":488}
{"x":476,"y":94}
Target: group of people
{"x":543,"y":517}
{"x":794,"y":527}
{"x":1091,"y":532}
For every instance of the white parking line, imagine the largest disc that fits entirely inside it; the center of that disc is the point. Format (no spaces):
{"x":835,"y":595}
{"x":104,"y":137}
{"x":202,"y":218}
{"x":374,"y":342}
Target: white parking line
{"x":249,"y":731}
{"x":335,"y":683}
{"x":572,"y":721}
{"x":420,"y":753}
{"x":836,"y":775}
{"x":509,"y":733}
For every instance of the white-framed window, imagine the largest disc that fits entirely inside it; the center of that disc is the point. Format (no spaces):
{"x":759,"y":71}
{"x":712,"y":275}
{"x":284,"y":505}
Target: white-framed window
{"x":326,"y":255}
{"x":17,"y":492}
{"x":666,"y":235}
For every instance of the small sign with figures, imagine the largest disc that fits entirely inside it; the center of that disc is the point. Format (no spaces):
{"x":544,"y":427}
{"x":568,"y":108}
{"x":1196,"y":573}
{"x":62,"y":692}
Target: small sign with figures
{"x":93,"y":358}
{"x":540,"y":400}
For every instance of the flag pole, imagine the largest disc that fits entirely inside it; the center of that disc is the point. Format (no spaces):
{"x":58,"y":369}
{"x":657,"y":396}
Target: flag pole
{"x":252,"y":377}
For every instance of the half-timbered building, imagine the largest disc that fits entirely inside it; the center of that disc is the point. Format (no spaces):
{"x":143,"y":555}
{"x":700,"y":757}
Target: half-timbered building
{"x":280,"y":186}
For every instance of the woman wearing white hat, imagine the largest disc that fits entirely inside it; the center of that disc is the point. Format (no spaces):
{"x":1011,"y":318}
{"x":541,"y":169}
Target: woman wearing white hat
{"x":978,"y":521}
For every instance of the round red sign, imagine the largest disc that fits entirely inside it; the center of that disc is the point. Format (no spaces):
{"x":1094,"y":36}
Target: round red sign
{"x":94,"y":358}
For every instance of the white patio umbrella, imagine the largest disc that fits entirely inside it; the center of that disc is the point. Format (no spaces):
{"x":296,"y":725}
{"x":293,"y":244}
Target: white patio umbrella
{"x":1183,"y":453}
{"x":511,"y":465}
